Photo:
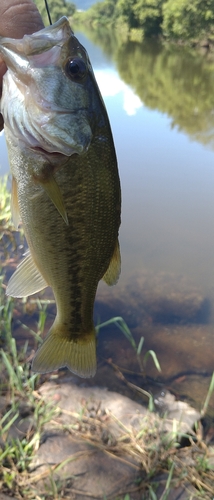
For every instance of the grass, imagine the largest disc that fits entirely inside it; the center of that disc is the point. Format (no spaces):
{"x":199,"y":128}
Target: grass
{"x":8,"y":236}
{"x":123,"y":327}
{"x":149,"y":447}
{"x":16,"y":454}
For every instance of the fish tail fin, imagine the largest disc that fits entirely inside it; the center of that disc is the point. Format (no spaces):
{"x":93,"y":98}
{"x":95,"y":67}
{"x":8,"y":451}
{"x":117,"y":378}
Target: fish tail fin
{"x":77,"y":353}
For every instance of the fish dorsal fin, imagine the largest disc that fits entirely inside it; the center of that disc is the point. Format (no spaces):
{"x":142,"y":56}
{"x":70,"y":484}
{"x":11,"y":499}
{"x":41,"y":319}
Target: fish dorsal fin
{"x":26,"y":280}
{"x":112,"y":274}
{"x":53,"y":191}
{"x":14,"y":204}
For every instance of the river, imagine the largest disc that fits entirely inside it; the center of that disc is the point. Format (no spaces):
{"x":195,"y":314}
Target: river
{"x":160,"y":102}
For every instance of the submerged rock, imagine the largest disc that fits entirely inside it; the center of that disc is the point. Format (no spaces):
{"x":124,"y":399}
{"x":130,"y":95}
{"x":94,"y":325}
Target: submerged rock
{"x":155,"y":297}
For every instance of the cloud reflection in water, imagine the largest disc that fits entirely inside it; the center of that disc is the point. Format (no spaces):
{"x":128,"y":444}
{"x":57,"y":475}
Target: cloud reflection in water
{"x":110,"y":84}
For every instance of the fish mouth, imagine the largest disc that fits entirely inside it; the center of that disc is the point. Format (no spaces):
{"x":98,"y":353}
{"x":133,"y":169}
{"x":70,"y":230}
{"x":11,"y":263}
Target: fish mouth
{"x":41,"y":121}
{"x":51,"y":155}
{"x":40,"y":41}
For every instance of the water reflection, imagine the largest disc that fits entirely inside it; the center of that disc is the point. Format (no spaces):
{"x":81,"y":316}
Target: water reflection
{"x":110,"y":85}
{"x":4,"y":164}
{"x":160,"y":102}
{"x":175,"y":80}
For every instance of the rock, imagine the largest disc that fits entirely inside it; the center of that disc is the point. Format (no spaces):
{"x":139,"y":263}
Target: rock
{"x":96,"y":443}
{"x":159,"y":297}
{"x":104,"y":417}
{"x":210,"y":457}
{"x":185,"y":492}
{"x":180,"y":413}
{"x":6,"y":497}
{"x":23,"y":423}
{"x":20,"y":428}
{"x":94,"y":402}
{"x":3,"y":403}
{"x":89,"y":468}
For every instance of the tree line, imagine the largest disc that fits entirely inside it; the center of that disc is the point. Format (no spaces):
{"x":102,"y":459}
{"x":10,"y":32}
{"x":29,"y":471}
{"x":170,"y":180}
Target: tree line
{"x":176,"y":80}
{"x":138,"y":19}
{"x":58,"y":8}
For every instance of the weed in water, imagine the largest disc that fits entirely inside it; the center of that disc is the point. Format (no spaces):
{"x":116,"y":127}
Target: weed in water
{"x":123,"y":327}
{"x":208,"y":396}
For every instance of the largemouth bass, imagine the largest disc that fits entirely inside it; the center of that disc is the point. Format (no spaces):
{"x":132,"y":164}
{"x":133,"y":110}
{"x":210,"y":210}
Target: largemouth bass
{"x":65,"y":187}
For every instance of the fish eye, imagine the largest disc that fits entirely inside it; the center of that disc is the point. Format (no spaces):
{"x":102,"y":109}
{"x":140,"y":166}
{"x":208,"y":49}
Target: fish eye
{"x":76,"y":69}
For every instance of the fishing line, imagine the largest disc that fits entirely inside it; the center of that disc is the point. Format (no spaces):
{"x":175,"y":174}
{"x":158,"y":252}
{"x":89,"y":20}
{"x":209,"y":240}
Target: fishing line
{"x":48,"y":12}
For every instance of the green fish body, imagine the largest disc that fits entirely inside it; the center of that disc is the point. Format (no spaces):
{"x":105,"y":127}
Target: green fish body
{"x":65,"y":187}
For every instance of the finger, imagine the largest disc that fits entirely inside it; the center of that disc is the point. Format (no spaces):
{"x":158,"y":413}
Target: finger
{"x":19,"y":18}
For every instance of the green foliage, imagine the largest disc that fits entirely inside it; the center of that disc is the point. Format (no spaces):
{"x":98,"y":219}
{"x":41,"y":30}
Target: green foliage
{"x":58,"y":8}
{"x":187,"y":20}
{"x":177,"y":19}
{"x":174,"y":80}
{"x":125,"y":13}
{"x":99,"y":15}
{"x":138,"y":18}
{"x":149,"y":16}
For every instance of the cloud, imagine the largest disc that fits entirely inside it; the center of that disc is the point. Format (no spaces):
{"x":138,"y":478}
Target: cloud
{"x":110,"y":85}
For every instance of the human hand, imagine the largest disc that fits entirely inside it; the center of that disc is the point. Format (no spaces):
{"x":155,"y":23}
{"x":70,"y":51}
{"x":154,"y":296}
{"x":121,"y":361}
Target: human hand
{"x":17,"y":18}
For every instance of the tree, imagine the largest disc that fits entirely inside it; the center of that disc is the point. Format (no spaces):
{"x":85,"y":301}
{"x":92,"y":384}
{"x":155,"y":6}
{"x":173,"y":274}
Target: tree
{"x":58,"y":8}
{"x":124,"y":13}
{"x":149,"y":15}
{"x":183,"y":19}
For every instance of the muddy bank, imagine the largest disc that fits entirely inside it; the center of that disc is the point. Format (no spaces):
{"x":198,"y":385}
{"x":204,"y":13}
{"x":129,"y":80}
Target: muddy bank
{"x":101,"y":444}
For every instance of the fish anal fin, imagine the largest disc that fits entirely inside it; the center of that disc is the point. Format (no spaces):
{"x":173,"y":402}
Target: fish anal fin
{"x":14,"y":204}
{"x":78,"y":353}
{"x":26,"y":280}
{"x":53,"y":191}
{"x":112,"y":274}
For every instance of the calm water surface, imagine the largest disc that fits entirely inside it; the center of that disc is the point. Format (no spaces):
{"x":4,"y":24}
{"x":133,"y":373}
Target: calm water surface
{"x":161,"y":107}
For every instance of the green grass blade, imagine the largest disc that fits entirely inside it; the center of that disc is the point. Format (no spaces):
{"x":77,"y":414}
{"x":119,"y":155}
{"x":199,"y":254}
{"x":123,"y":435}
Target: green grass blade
{"x":8,"y":425}
{"x":140,"y":346}
{"x":123,"y":327}
{"x":208,"y":396}
{"x":154,"y":357}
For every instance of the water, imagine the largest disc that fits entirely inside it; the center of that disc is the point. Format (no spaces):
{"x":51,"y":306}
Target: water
{"x":4,"y":164}
{"x":161,"y":107}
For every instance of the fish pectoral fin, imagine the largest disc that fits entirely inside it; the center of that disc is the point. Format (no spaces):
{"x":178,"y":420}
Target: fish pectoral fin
{"x":26,"y":280}
{"x":14,"y":204}
{"x":53,"y":191}
{"x":112,"y":274}
{"x":77,"y":353}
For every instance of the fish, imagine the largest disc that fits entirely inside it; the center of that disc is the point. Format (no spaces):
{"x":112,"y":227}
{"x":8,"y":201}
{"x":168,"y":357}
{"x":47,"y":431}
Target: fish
{"x":65,"y":187}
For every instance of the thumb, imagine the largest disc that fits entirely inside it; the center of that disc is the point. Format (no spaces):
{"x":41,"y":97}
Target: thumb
{"x":17,"y":18}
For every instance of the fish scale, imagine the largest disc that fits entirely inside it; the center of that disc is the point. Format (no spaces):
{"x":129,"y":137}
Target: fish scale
{"x":65,"y":187}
